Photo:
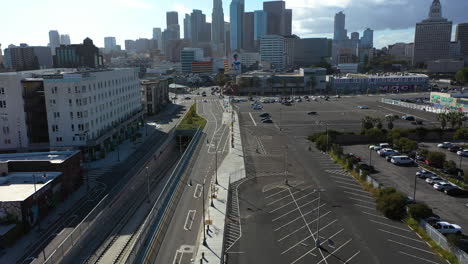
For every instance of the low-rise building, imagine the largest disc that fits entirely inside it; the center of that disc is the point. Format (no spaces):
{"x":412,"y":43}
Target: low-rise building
{"x":445,"y":66}
{"x":155,"y":95}
{"x":348,"y":67}
{"x":364,"y":83}
{"x":450,"y":101}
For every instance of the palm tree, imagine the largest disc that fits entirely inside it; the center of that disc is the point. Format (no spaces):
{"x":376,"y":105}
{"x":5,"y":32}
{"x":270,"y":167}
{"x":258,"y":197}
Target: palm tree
{"x":367,"y":122}
{"x":442,"y":117}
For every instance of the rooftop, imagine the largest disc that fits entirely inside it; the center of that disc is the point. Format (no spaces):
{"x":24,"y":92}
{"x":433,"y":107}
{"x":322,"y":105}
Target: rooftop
{"x":18,"y":186}
{"x":380,"y":75}
{"x":52,"y":157}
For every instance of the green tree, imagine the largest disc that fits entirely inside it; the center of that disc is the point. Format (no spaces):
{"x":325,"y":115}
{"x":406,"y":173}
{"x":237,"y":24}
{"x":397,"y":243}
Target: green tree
{"x":220,"y":79}
{"x":420,"y":211}
{"x":390,"y":125}
{"x":367,"y":123}
{"x":461,"y":134}
{"x":405,"y":144}
{"x":462,"y":76}
{"x":436,"y":159}
{"x":442,"y":117}
{"x":322,"y":143}
{"x":379,"y":124}
{"x":392,"y":204}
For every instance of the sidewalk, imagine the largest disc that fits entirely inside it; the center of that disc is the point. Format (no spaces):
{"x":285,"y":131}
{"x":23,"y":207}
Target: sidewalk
{"x":231,"y":169}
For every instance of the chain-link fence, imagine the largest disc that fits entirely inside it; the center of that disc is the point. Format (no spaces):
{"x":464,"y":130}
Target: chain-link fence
{"x":427,"y":108}
{"x":441,"y":240}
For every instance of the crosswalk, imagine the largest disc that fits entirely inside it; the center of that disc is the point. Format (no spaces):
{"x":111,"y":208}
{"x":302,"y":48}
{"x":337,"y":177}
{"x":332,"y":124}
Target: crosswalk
{"x":95,"y":175}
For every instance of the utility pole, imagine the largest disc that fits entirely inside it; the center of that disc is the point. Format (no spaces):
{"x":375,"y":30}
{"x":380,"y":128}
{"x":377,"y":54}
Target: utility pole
{"x":216,"y":162}
{"x":147,"y":176}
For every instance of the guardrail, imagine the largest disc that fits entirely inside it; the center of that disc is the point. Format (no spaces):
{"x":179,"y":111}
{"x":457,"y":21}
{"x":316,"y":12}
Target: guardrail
{"x":441,"y":240}
{"x":151,"y":228}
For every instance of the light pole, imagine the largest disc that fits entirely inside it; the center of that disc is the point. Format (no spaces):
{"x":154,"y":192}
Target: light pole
{"x":317,"y":242}
{"x":203,"y":214}
{"x":216,"y":162}
{"x":148,"y":185}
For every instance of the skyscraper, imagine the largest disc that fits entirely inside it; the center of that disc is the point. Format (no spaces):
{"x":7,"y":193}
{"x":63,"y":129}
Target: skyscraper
{"x":157,"y":35}
{"x":432,"y":38}
{"x":260,"y":24}
{"x":187,"y":27}
{"x":65,"y":39}
{"x":462,"y":36}
{"x":217,"y":24}
{"x":54,"y":40}
{"x":237,"y":19}
{"x":248,"y":43}
{"x":272,"y":51}
{"x":340,"y":33}
{"x":276,"y":17}
{"x":288,"y":22}
{"x":367,"y":40}
{"x":172,"y":20}
{"x":78,"y":55}
{"x":109,"y":43}
{"x":197,"y":25}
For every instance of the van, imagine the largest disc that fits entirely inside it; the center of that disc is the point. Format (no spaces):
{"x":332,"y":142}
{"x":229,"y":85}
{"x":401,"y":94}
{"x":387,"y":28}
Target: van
{"x":401,"y":160}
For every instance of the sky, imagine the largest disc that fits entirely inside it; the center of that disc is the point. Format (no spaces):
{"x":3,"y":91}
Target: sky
{"x":29,"y":21}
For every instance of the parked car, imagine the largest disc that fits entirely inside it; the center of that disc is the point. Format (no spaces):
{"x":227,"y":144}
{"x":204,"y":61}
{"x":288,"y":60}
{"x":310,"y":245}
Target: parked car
{"x":454,"y":148}
{"x":386,"y":152}
{"x":424,"y":174}
{"x":188,"y":98}
{"x":408,"y":118}
{"x":363,"y":107}
{"x":312,"y":113}
{"x":445,"y":145}
{"x":389,"y":157}
{"x":392,"y":116}
{"x":401,"y":160}
{"x":268,"y":121}
{"x":442,"y":186}
{"x":463,"y":153}
{"x":434,"y":180}
{"x":265,"y":115}
{"x":456,"y":192}
{"x":447,"y":228}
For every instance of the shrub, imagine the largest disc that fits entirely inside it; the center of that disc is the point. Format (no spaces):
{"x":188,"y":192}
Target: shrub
{"x":436,"y":159}
{"x":375,"y":133}
{"x":397,"y":133}
{"x":321,"y":143}
{"x":450,"y":164}
{"x":392,"y":204}
{"x":405,"y":144}
{"x":423,"y":152}
{"x":421,"y":132}
{"x":420,"y":211}
{"x":337,"y":150}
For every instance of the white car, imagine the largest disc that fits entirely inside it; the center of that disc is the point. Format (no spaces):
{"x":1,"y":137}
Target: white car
{"x":445,"y":145}
{"x":442,"y":186}
{"x":447,"y":228}
{"x":463,"y":153}
{"x":401,"y":160}
{"x":434,"y":180}
{"x":386,"y":152}
{"x":424,"y":174}
{"x":374,"y":147}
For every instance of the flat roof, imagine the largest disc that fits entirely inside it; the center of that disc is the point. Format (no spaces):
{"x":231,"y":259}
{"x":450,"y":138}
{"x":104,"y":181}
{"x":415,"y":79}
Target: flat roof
{"x":52,"y":157}
{"x":18,"y":186}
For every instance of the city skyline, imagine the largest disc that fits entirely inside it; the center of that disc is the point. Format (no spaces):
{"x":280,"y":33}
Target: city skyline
{"x":388,"y":30}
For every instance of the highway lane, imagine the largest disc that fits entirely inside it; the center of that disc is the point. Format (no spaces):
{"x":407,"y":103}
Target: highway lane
{"x":180,"y":243}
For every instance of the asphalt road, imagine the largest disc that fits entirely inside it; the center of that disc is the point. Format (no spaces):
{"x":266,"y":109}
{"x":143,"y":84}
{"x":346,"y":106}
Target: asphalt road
{"x":451,"y":209}
{"x":279,"y":204}
{"x":342,"y":114}
{"x":180,"y":243}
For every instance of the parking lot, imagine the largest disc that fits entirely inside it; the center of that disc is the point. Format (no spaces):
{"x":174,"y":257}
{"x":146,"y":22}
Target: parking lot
{"x":279,"y":204}
{"x":451,"y":209}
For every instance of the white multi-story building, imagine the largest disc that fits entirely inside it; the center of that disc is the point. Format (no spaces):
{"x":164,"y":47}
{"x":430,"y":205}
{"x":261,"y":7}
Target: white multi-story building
{"x":272,"y":50}
{"x":81,"y":108}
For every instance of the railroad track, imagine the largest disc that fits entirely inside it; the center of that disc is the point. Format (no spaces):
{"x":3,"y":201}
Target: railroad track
{"x":117,"y":245}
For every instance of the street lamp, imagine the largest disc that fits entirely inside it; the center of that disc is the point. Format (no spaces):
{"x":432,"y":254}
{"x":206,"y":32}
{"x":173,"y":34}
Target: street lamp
{"x":216,"y":162}
{"x":203,"y":214}
{"x":317,"y":242}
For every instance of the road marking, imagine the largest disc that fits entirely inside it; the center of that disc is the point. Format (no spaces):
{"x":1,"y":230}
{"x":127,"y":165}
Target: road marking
{"x":292,"y":221}
{"x":403,"y":244}
{"x":195,"y":195}
{"x":356,"y":190}
{"x":334,"y":251}
{"x":385,"y":231}
{"x":277,"y":218}
{"x":342,"y":178}
{"x":284,"y":205}
{"x":311,"y":236}
{"x":409,"y":255}
{"x":362,"y":201}
{"x":348,"y":260}
{"x":346,"y":183}
{"x":365,"y":196}
{"x":189,"y":220}
{"x":288,"y":195}
{"x":363,"y":206}
{"x":374,"y":215}
{"x":297,"y":230}
{"x":252,"y":119}
{"x":402,"y":229}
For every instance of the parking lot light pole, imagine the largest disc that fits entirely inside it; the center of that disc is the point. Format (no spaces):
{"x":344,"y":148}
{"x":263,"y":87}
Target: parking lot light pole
{"x":216,"y":163}
{"x":461,"y":158}
{"x":203,"y":214}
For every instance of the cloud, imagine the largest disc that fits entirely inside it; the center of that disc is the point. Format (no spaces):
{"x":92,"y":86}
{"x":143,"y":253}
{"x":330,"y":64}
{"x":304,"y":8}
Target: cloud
{"x":311,"y":17}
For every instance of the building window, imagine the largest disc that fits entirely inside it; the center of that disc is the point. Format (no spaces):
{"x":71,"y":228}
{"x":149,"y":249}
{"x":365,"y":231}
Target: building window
{"x":2,"y":90}
{"x":59,"y":139}
{"x":55,"y":128}
{"x":69,"y":90}
{"x":73,"y":138}
{"x":52,"y":101}
{"x":73,"y":127}
{"x":7,"y":141}
{"x":70,"y":102}
{"x":6,"y":130}
{"x":54,"y":90}
{"x":56,"y":114}
{"x":71,"y":115}
{"x":2,"y":104}
{"x":78,"y":114}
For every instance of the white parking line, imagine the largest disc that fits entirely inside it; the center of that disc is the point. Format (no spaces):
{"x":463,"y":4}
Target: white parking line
{"x":363,"y":206}
{"x":364,"y":196}
{"x":289,"y":195}
{"x":385,"y":231}
{"x":409,"y":255}
{"x":355,"y":254}
{"x":297,"y":230}
{"x":331,"y":254}
{"x":403,"y":244}
{"x":284,"y":190}
{"x":290,"y":202}
{"x":350,"y":184}
{"x":189,"y":220}
{"x":197,"y":193}
{"x":402,"y":229}
{"x":343,"y":178}
{"x":252,"y":119}
{"x":383,"y":217}
{"x":292,"y":221}
{"x":277,"y":218}
{"x":362,"y":201}
{"x":356,"y":190}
